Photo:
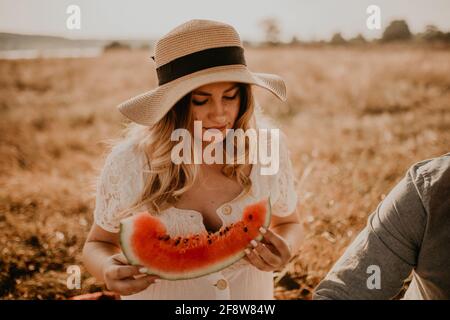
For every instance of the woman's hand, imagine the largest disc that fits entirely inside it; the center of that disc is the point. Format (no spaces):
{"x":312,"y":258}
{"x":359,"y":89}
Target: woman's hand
{"x":271,"y":253}
{"x":123,"y":278}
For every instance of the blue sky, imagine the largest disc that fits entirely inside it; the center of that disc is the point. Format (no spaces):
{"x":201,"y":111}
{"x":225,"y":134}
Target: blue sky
{"x":308,"y":20}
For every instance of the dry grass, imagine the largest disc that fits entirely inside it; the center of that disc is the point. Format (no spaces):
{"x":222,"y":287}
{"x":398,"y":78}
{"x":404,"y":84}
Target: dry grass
{"x":356,"y":120}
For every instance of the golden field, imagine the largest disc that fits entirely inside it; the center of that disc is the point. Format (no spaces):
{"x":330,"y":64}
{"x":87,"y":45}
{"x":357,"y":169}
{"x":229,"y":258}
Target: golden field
{"x":356,"y":119}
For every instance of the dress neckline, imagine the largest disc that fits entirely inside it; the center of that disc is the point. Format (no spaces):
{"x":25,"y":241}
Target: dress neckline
{"x":218,"y":210}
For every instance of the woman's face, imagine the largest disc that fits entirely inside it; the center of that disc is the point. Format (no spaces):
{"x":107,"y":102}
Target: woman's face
{"x":216,"y":105}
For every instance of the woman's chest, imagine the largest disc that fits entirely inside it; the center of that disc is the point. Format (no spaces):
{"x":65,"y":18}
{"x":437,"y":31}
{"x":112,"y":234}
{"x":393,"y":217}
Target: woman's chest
{"x":207,"y":195}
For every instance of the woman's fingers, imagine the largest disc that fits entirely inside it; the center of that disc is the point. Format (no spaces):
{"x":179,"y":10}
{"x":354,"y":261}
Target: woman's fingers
{"x":268,"y":256}
{"x":121,"y":272}
{"x":257,"y":261}
{"x":270,"y":253}
{"x":128,"y":287}
{"x":123,"y":278}
{"x":120,"y":258}
{"x":278,"y":242}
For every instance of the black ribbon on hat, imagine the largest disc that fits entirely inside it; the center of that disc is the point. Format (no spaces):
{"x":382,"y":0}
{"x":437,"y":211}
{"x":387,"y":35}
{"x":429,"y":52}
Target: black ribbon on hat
{"x":199,"y":60}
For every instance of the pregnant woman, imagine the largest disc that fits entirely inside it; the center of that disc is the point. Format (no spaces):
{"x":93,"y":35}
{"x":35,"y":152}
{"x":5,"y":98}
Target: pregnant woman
{"x":203,"y":77}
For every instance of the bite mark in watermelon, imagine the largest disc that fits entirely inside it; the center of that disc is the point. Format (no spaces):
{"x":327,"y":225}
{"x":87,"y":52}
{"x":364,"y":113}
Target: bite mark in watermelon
{"x":145,"y":242}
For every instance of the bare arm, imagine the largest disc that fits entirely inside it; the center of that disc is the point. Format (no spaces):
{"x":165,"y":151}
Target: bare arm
{"x":102,"y":257}
{"x":100,"y":245}
{"x":290,"y":229}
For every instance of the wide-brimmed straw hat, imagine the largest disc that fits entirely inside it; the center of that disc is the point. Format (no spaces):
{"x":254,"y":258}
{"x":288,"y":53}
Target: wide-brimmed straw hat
{"x":194,"y":54}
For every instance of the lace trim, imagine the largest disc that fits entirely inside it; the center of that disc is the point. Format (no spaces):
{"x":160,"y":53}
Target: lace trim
{"x":118,"y":186}
{"x":285,"y":195}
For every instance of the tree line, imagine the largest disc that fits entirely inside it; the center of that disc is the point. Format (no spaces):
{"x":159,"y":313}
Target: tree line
{"x":396,"y":31}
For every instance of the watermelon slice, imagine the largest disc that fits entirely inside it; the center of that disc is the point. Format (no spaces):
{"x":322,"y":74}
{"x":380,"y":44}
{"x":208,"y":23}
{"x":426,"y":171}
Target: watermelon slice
{"x":145,"y":242}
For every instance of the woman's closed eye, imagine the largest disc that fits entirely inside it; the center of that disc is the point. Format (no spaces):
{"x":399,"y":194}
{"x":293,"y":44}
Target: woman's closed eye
{"x":202,"y":102}
{"x":232,"y":97}
{"x":199,"y":103}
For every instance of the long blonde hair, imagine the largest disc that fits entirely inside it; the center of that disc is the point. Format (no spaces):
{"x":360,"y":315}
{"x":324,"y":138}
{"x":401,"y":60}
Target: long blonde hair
{"x":166,"y":181}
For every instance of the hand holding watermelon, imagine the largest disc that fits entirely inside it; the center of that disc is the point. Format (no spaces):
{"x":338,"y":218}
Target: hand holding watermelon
{"x":269,"y":254}
{"x":145,"y":241}
{"x":123,"y":278}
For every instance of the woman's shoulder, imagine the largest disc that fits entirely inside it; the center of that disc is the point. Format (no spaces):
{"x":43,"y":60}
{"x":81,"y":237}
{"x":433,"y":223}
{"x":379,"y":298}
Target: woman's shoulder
{"x":273,"y":131}
{"x":124,"y":151}
{"x":124,"y":162}
{"x":263,"y":121}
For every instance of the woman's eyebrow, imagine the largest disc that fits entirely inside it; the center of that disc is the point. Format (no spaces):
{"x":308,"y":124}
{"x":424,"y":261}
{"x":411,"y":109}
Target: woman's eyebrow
{"x":202,"y":93}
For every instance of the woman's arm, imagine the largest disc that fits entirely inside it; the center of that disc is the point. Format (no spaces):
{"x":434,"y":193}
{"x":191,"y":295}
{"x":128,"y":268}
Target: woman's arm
{"x":102,"y":258}
{"x":100,"y":245}
{"x":290,"y":229}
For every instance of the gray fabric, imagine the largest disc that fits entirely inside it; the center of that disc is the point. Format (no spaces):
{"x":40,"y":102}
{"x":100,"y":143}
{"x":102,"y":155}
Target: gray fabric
{"x":408,"y":234}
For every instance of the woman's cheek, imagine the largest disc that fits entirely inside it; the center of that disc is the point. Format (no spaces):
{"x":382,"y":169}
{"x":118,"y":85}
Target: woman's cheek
{"x":198,"y":114}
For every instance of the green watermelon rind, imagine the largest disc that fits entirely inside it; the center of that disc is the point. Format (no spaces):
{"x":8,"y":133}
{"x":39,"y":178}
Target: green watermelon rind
{"x":128,"y":253}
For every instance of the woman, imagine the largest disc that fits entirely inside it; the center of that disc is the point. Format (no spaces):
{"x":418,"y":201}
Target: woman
{"x":202,"y":76}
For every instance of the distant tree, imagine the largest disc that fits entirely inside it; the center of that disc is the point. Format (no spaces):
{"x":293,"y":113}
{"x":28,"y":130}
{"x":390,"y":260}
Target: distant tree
{"x":295,"y":40}
{"x":359,"y":39}
{"x":432,"y":33}
{"x":397,"y":30}
{"x":338,"y":39}
{"x":272,"y":30}
{"x":116,"y":45}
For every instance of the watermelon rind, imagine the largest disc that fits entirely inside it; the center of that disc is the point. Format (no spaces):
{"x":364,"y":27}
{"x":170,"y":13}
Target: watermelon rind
{"x":126,"y":230}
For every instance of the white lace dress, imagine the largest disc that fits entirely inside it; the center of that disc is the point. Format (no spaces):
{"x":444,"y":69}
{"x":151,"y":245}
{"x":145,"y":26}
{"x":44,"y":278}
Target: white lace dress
{"x":120,"y":183}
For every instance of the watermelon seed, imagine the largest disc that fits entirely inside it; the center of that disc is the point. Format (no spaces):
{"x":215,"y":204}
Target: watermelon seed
{"x":177,"y":241}
{"x":209,"y":241}
{"x":250,"y":216}
{"x":245,"y":229}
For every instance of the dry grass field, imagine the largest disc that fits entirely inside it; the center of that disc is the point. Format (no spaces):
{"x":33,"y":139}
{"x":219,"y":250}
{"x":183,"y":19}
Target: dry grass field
{"x":356,"y":119}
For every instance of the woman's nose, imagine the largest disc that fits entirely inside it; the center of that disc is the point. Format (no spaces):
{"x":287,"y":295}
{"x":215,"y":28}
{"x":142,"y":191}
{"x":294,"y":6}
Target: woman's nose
{"x":218,"y":111}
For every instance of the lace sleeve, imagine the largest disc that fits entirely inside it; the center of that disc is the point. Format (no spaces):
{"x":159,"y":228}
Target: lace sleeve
{"x":118,"y":186}
{"x":283,"y":192}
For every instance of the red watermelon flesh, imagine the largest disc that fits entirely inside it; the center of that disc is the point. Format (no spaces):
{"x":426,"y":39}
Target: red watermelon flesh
{"x":145,"y":242}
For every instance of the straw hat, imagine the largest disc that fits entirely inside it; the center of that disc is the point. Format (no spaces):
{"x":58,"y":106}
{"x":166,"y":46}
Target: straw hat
{"x":194,"y":54}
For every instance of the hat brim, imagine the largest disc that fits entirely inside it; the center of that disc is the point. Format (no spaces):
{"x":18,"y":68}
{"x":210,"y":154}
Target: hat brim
{"x":151,"y":106}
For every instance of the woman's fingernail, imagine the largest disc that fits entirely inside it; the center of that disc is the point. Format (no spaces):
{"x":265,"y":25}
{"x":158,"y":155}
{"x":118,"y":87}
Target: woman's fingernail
{"x":253,"y":243}
{"x":262,"y":230}
{"x":247,"y":251}
{"x":143,"y":270}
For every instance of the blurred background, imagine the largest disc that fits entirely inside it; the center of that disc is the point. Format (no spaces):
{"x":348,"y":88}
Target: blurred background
{"x":368,"y":95}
